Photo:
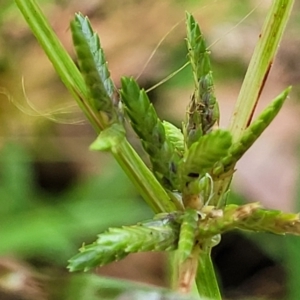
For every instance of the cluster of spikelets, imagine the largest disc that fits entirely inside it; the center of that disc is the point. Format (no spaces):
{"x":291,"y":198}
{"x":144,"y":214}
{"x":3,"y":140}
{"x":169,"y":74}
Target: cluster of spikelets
{"x":191,"y":164}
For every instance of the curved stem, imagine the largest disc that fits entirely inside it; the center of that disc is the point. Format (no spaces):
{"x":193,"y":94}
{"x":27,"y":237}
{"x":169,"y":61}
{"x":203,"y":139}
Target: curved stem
{"x":143,"y":179}
{"x":60,"y":59}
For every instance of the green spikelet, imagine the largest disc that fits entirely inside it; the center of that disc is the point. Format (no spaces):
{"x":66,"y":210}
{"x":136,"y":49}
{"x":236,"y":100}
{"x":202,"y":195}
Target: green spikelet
{"x":252,"y":133}
{"x":202,"y":155}
{"x":151,"y":131}
{"x":94,"y":69}
{"x":159,"y":234}
{"x":175,"y":136}
{"x":197,"y":164}
{"x":203,"y":111}
{"x":248,"y":217}
{"x":98,"y":54}
{"x":273,"y":221}
{"x":187,"y":235}
{"x":168,"y":232}
{"x":219,"y":221}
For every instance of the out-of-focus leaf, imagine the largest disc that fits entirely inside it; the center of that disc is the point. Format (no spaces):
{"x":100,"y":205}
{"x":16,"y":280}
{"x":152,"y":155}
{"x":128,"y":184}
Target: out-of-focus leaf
{"x":92,"y":287}
{"x":51,"y":231}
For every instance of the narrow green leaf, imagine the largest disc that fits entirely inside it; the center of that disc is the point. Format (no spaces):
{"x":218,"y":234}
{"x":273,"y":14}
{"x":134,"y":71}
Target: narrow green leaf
{"x":251,"y":134}
{"x":260,"y":65}
{"x":206,"y":280}
{"x":256,"y":77}
{"x":144,"y":180}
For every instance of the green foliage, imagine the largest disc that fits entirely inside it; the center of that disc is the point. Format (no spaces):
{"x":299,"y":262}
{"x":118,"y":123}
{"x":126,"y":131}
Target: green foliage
{"x":248,"y":217}
{"x":97,"y":52}
{"x":93,"y":67}
{"x":187,"y":234}
{"x":203,"y":111}
{"x":198,"y":167}
{"x":160,"y":234}
{"x":197,"y":164}
{"x":180,"y":231}
{"x":175,"y":136}
{"x":205,"y":153}
{"x":203,"y":187}
{"x":95,"y":287}
{"x":34,"y":223}
{"x":252,"y":133}
{"x":190,"y":165}
{"x":151,"y":131}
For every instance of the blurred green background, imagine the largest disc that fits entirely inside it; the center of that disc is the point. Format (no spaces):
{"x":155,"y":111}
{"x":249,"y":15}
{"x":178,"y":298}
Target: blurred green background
{"x":55,"y":194}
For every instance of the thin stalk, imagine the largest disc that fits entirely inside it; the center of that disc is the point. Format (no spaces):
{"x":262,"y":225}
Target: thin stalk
{"x":145,"y":182}
{"x":143,"y":179}
{"x":173,"y":275}
{"x":260,"y":65}
{"x":257,"y":73}
{"x":206,"y":279}
{"x":62,"y":62}
{"x":187,"y":273}
{"x":252,"y":87}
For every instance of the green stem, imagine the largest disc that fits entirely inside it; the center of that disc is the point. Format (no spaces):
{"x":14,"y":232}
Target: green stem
{"x":257,"y":74}
{"x":62,"y":62}
{"x":260,"y":65}
{"x":142,"y":178}
{"x":206,"y":279}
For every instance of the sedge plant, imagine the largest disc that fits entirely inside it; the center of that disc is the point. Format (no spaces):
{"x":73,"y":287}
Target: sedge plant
{"x":191,"y":167}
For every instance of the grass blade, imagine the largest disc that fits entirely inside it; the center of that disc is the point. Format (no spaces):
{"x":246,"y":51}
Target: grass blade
{"x":60,"y":59}
{"x":145,"y":182}
{"x":260,"y":65}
